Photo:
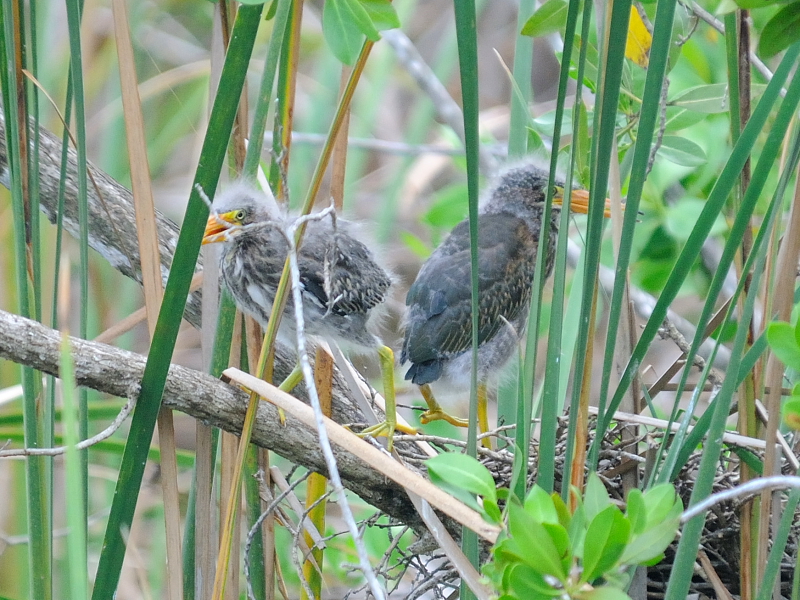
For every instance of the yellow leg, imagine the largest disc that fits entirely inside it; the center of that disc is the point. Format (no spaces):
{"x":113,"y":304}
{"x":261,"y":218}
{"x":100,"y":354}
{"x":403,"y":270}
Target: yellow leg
{"x":436,"y":412}
{"x":483,"y":414}
{"x":389,"y":425}
{"x":288,"y":384}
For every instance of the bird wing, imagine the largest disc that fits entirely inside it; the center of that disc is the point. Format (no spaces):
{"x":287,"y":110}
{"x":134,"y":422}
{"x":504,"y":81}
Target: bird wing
{"x":439,"y":322}
{"x":335,"y":267}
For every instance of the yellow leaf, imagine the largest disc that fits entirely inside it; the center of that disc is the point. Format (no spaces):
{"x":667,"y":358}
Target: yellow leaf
{"x":637,"y":46}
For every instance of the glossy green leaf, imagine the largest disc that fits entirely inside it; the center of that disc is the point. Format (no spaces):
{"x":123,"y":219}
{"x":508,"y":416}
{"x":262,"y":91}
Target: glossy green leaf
{"x":462,"y":471}
{"x":650,"y":545}
{"x":538,"y":548}
{"x":539,"y":504}
{"x":708,"y":99}
{"x":526,"y":582}
{"x":382,"y":14}
{"x":550,"y":18}
{"x":637,"y":511}
{"x":606,"y":539}
{"x":781,"y":31}
{"x":791,"y":412}
{"x":781,"y":338}
{"x":682,"y":151}
{"x":604,"y":593}
{"x":661,"y":503}
{"x":595,"y":498}
{"x":342,"y":29}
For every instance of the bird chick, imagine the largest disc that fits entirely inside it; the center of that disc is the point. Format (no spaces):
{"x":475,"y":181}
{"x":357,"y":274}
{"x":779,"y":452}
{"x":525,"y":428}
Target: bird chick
{"x":343,"y":287}
{"x":438,"y":323}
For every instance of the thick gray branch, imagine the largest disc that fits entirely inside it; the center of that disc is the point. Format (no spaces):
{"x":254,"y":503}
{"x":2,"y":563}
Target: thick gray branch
{"x":112,"y":233}
{"x":118,"y":372}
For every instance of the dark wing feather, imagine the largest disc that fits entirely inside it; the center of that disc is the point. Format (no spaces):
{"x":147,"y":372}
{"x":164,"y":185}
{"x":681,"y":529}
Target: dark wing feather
{"x":439,"y":319}
{"x":334,"y":263}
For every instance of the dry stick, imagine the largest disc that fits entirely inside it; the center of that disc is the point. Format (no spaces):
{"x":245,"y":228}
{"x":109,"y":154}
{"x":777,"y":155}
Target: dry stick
{"x":323,"y":370}
{"x":268,"y":348}
{"x":375,"y":458}
{"x":151,"y":280}
{"x":713,"y":577}
{"x":784,"y":288}
{"x":755,"y":486}
{"x":327,"y":452}
{"x":317,"y":483}
{"x":95,"y":439}
{"x":582,"y":423}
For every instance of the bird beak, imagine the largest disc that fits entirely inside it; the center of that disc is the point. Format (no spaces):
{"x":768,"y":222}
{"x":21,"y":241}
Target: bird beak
{"x":218,"y":226}
{"x":579,"y":202}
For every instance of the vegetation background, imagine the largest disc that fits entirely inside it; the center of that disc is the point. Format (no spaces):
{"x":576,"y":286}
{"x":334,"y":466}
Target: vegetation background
{"x":672,"y":143}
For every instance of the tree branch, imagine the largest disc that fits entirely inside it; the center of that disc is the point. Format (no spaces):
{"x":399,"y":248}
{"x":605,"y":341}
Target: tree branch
{"x":118,"y":372}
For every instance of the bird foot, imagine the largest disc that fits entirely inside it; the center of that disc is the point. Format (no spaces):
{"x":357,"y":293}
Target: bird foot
{"x":437,"y":414}
{"x":386,"y":429}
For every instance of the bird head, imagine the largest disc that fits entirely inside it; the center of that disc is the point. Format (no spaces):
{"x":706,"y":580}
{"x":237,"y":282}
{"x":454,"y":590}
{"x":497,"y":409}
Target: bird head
{"x":525,"y":186}
{"x":241,"y":204}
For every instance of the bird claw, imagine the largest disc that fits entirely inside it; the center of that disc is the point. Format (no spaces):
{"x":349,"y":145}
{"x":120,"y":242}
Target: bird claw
{"x":440,"y":415}
{"x":386,"y":429}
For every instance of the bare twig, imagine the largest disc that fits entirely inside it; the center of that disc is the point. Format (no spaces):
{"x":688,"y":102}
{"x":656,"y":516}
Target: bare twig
{"x":95,"y":439}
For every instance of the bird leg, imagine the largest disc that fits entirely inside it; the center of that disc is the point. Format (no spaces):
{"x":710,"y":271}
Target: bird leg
{"x":436,"y":413}
{"x":389,"y":425}
{"x":287,"y":385}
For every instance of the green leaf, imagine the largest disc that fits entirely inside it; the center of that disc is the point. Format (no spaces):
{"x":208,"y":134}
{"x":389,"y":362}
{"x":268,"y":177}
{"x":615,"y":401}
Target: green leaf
{"x":252,"y":2}
{"x":415,"y":244}
{"x":539,"y":504}
{"x":596,"y":497}
{"x":709,"y":99}
{"x":604,"y":593}
{"x":526,"y":582}
{"x":682,"y":216}
{"x":537,"y":548}
{"x":382,"y":14}
{"x":682,"y":151}
{"x":645,"y":548}
{"x":550,"y":18}
{"x":341,"y":30}
{"x":606,"y":538}
{"x":781,"y":31}
{"x":449,"y":207}
{"x":464,"y":472}
{"x":782,"y":341}
{"x":791,"y":412}
{"x":637,"y":511}
{"x":662,"y":503}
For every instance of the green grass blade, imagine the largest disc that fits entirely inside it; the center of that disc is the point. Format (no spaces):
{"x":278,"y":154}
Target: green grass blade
{"x":256,"y":142}
{"x":36,"y":481}
{"x":74,"y":11}
{"x":691,"y":249}
{"x":651,"y":107}
{"x":155,"y":373}
{"x":76,"y":537}
{"x":741,"y":223}
{"x":523,"y":62}
{"x":552,"y":379}
{"x":467,"y":38}
{"x":573,"y":308}
{"x":605,"y":128}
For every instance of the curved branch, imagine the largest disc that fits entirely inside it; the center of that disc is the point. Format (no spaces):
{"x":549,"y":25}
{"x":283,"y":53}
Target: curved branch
{"x":118,"y":372}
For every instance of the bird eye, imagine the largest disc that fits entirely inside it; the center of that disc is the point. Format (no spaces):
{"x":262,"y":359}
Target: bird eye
{"x":240,"y":215}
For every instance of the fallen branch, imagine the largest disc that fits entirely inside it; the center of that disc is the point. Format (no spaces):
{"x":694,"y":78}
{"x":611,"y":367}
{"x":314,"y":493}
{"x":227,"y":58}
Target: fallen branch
{"x":118,"y":372}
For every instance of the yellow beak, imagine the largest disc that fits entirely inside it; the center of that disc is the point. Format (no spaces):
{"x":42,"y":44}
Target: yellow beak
{"x":217,"y":226}
{"x":579,"y":202}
